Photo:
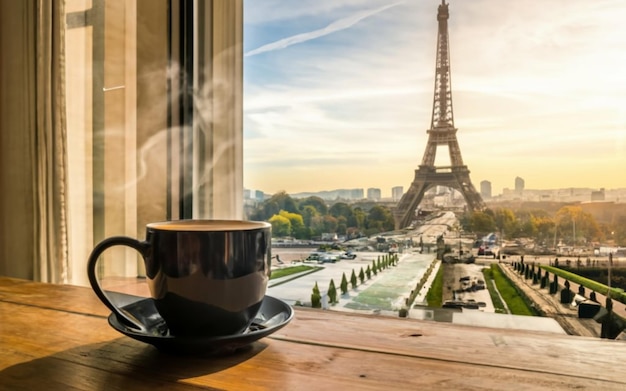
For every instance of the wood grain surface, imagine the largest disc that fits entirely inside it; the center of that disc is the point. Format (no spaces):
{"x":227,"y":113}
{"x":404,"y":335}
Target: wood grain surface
{"x":57,"y":337}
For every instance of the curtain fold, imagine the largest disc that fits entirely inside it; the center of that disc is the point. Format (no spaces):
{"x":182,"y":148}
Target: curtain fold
{"x":51,"y":263}
{"x":33,"y":183}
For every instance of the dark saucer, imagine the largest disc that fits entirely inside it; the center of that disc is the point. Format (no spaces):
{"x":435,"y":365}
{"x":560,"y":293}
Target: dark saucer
{"x":273,"y":315}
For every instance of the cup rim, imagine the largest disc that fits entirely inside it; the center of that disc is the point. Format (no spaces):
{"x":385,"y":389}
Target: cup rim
{"x":208,"y":225}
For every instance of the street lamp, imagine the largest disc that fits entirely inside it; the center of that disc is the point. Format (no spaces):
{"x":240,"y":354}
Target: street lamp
{"x":610,"y":262}
{"x":608,"y":295}
{"x":460,"y":249}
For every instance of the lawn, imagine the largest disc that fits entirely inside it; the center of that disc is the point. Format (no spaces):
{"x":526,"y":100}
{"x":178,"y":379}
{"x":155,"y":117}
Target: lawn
{"x":286,"y":271}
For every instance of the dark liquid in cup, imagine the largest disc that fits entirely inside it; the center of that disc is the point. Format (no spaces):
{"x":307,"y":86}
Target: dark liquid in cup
{"x":208,"y":225}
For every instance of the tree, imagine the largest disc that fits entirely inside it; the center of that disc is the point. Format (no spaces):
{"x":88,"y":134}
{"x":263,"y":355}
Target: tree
{"x":344,"y":284}
{"x":505,"y":221}
{"x":374,"y":268}
{"x":267,"y":210}
{"x":342,"y":225}
{"x":618,"y":231}
{"x":480,"y":222}
{"x":316,"y":202}
{"x":330,"y":223}
{"x":361,"y":275}
{"x":359,"y":218}
{"x":296,"y":221}
{"x":281,"y":226}
{"x":544,"y":228}
{"x":380,"y":219}
{"x":341,"y":209}
{"x":284,"y":202}
{"x":316,"y":297}
{"x":332,"y":292}
{"x":368,"y":272}
{"x":353,"y":279}
{"x":317,"y":226}
{"x":577,"y":226}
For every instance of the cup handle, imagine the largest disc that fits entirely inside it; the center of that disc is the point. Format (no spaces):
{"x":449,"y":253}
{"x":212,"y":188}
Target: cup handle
{"x":141,"y":247}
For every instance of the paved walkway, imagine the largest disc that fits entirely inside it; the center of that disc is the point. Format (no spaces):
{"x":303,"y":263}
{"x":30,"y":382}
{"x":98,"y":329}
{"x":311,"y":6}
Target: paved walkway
{"x":393,"y":285}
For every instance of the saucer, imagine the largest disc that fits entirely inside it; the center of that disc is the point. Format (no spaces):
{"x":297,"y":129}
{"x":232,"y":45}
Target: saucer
{"x":273,"y":315}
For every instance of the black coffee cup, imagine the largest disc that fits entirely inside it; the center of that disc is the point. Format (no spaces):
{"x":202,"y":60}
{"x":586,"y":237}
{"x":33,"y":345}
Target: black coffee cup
{"x":206,"y":277}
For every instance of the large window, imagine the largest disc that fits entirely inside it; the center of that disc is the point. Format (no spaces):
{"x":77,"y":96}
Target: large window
{"x":153,"y":120}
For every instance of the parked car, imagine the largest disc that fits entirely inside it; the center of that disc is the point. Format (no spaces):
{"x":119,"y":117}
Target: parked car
{"x":348,"y":255}
{"x":313,"y":257}
{"x":328,"y":258}
{"x":489,"y":251}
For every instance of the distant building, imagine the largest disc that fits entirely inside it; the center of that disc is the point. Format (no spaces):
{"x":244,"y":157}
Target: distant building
{"x":485,"y":189}
{"x":397,"y":192}
{"x":519,"y":185}
{"x":597,"y":195}
{"x":356,"y":194}
{"x":259,"y":195}
{"x":373,"y":194}
{"x":333,"y":195}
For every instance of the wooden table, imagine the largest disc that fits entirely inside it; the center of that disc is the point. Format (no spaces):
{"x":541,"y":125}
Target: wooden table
{"x":56,"y":337}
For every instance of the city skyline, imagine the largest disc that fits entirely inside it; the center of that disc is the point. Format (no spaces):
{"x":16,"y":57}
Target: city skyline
{"x":338,"y":94}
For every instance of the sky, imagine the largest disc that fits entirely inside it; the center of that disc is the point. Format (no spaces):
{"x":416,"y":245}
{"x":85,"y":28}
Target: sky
{"x":339,"y":93}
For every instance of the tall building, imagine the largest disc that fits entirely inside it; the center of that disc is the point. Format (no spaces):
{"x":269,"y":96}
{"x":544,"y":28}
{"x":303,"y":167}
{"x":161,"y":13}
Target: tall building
{"x":397,"y":192}
{"x":442,"y":132}
{"x":373,"y":194}
{"x":519,"y":185}
{"x":485,"y":189}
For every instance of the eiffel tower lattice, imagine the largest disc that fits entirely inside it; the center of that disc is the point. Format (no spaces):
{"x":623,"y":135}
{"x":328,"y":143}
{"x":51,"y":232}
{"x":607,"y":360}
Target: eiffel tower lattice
{"x":441,"y":132}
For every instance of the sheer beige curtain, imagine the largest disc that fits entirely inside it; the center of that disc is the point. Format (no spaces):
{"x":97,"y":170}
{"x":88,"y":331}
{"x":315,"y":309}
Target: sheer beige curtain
{"x":33,"y":183}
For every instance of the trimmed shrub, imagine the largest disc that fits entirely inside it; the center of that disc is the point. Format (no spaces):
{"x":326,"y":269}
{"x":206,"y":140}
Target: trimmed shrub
{"x":316,"y":298}
{"x":344,"y":284}
{"x":332,"y":292}
{"x":353,"y":280}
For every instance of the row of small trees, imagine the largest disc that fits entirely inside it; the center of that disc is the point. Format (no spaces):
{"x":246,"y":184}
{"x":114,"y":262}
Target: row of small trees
{"x":377,"y":266}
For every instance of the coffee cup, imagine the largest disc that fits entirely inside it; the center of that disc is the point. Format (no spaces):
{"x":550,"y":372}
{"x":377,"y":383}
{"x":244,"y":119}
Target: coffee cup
{"x":206,"y":277}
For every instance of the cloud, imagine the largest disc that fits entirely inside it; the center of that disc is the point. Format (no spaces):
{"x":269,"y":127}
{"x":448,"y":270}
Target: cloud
{"x":338,"y":25}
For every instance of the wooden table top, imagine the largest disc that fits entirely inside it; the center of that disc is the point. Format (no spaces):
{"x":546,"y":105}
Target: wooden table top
{"x":57,"y":337}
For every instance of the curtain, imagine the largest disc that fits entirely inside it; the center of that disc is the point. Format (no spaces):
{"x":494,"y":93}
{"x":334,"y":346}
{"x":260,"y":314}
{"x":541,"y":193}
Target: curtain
{"x":33,"y":182}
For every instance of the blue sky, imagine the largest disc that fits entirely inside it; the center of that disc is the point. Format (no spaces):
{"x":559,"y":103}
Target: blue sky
{"x":338,"y":93}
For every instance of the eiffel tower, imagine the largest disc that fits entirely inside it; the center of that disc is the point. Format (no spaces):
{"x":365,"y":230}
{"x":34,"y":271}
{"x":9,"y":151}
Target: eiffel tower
{"x":442,"y":132}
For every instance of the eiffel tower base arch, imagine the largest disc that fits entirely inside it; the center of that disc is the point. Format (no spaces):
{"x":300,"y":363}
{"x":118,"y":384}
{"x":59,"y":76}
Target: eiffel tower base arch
{"x":426,"y":177}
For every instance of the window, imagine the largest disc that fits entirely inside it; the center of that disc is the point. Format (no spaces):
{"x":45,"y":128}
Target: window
{"x":154,"y":119}
{"x":153,"y":127}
